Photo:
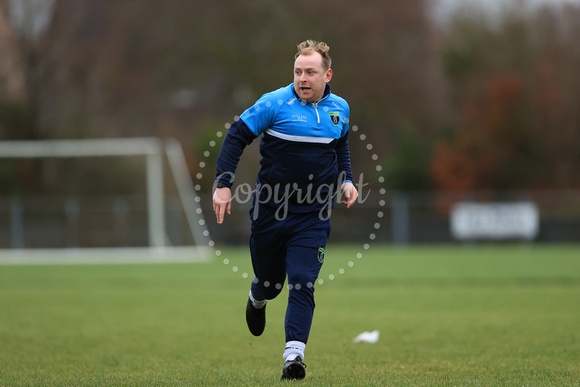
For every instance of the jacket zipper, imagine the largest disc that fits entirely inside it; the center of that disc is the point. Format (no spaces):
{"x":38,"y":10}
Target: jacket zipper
{"x":315,"y":104}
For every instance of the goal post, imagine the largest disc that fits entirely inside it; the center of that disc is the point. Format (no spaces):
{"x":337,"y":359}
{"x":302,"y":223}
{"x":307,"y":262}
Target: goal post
{"x":156,"y":152}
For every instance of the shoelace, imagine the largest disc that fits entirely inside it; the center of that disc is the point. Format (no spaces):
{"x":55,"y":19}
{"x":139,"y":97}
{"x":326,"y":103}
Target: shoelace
{"x":297,"y":361}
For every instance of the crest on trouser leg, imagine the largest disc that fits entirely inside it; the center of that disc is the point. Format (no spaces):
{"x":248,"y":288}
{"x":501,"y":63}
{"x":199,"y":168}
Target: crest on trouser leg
{"x":321,"y":254}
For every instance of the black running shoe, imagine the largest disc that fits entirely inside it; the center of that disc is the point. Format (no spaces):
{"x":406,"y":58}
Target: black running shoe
{"x":256,"y":318}
{"x":294,"y":370}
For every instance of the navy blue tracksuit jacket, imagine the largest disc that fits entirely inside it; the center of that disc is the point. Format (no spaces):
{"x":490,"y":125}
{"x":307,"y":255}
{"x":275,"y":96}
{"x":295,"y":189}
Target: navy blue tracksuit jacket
{"x":304,"y":148}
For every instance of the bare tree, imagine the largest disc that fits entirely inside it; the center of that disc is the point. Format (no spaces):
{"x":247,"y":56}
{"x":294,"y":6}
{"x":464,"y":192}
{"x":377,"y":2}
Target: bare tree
{"x":11,"y":77}
{"x":28,"y":20}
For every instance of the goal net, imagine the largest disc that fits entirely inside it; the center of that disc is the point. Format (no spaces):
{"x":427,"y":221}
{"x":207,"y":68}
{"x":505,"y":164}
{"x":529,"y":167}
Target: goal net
{"x":108,"y":201}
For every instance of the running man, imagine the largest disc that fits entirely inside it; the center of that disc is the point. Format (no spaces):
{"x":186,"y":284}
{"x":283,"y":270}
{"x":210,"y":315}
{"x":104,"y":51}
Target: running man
{"x":305,"y":160}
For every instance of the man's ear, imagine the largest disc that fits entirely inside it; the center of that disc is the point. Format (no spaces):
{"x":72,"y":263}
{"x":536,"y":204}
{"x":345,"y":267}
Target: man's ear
{"x":328,"y":75}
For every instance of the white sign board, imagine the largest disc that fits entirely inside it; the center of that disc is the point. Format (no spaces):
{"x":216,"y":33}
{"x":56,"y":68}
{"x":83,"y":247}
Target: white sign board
{"x":495,"y":221}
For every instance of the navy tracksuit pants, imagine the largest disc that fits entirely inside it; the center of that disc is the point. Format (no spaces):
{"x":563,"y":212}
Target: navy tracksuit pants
{"x":292,"y":246}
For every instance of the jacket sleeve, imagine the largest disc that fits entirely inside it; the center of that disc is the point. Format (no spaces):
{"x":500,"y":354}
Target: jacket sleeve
{"x":237,"y":138}
{"x":343,"y":159}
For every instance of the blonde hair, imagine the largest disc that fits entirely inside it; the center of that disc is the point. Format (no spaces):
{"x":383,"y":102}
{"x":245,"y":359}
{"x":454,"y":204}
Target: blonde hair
{"x":310,"y":46}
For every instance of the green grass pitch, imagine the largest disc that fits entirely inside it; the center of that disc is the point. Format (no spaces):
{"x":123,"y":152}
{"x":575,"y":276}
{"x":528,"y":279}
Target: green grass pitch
{"x":447,"y":315}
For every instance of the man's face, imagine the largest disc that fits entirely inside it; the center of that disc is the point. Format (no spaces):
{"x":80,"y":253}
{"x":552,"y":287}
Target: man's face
{"x":310,"y":77}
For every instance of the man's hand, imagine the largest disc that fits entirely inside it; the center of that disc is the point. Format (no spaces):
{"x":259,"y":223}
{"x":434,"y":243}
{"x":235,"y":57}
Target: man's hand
{"x":222,"y":203}
{"x":349,"y":193}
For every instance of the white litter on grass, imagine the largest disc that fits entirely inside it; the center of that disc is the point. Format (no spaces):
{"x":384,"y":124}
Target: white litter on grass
{"x":367,"y":337}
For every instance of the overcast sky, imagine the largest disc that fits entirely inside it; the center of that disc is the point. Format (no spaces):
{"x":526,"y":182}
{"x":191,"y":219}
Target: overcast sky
{"x":442,"y":8}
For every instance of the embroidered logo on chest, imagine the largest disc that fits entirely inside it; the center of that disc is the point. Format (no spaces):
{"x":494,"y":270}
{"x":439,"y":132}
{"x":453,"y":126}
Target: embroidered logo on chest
{"x":335,"y":117}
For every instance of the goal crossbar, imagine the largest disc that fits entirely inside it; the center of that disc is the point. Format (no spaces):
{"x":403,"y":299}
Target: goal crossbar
{"x":80,"y":148}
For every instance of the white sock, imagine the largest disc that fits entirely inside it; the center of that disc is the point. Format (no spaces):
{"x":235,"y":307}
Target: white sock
{"x":294,"y":349}
{"x":257,"y":304}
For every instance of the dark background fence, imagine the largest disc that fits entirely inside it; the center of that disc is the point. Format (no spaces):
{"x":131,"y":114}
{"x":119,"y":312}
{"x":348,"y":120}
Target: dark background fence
{"x":394,"y":217}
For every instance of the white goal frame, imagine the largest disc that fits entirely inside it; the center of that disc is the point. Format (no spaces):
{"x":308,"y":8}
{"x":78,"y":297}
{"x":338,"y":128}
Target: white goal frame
{"x":155,"y":151}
